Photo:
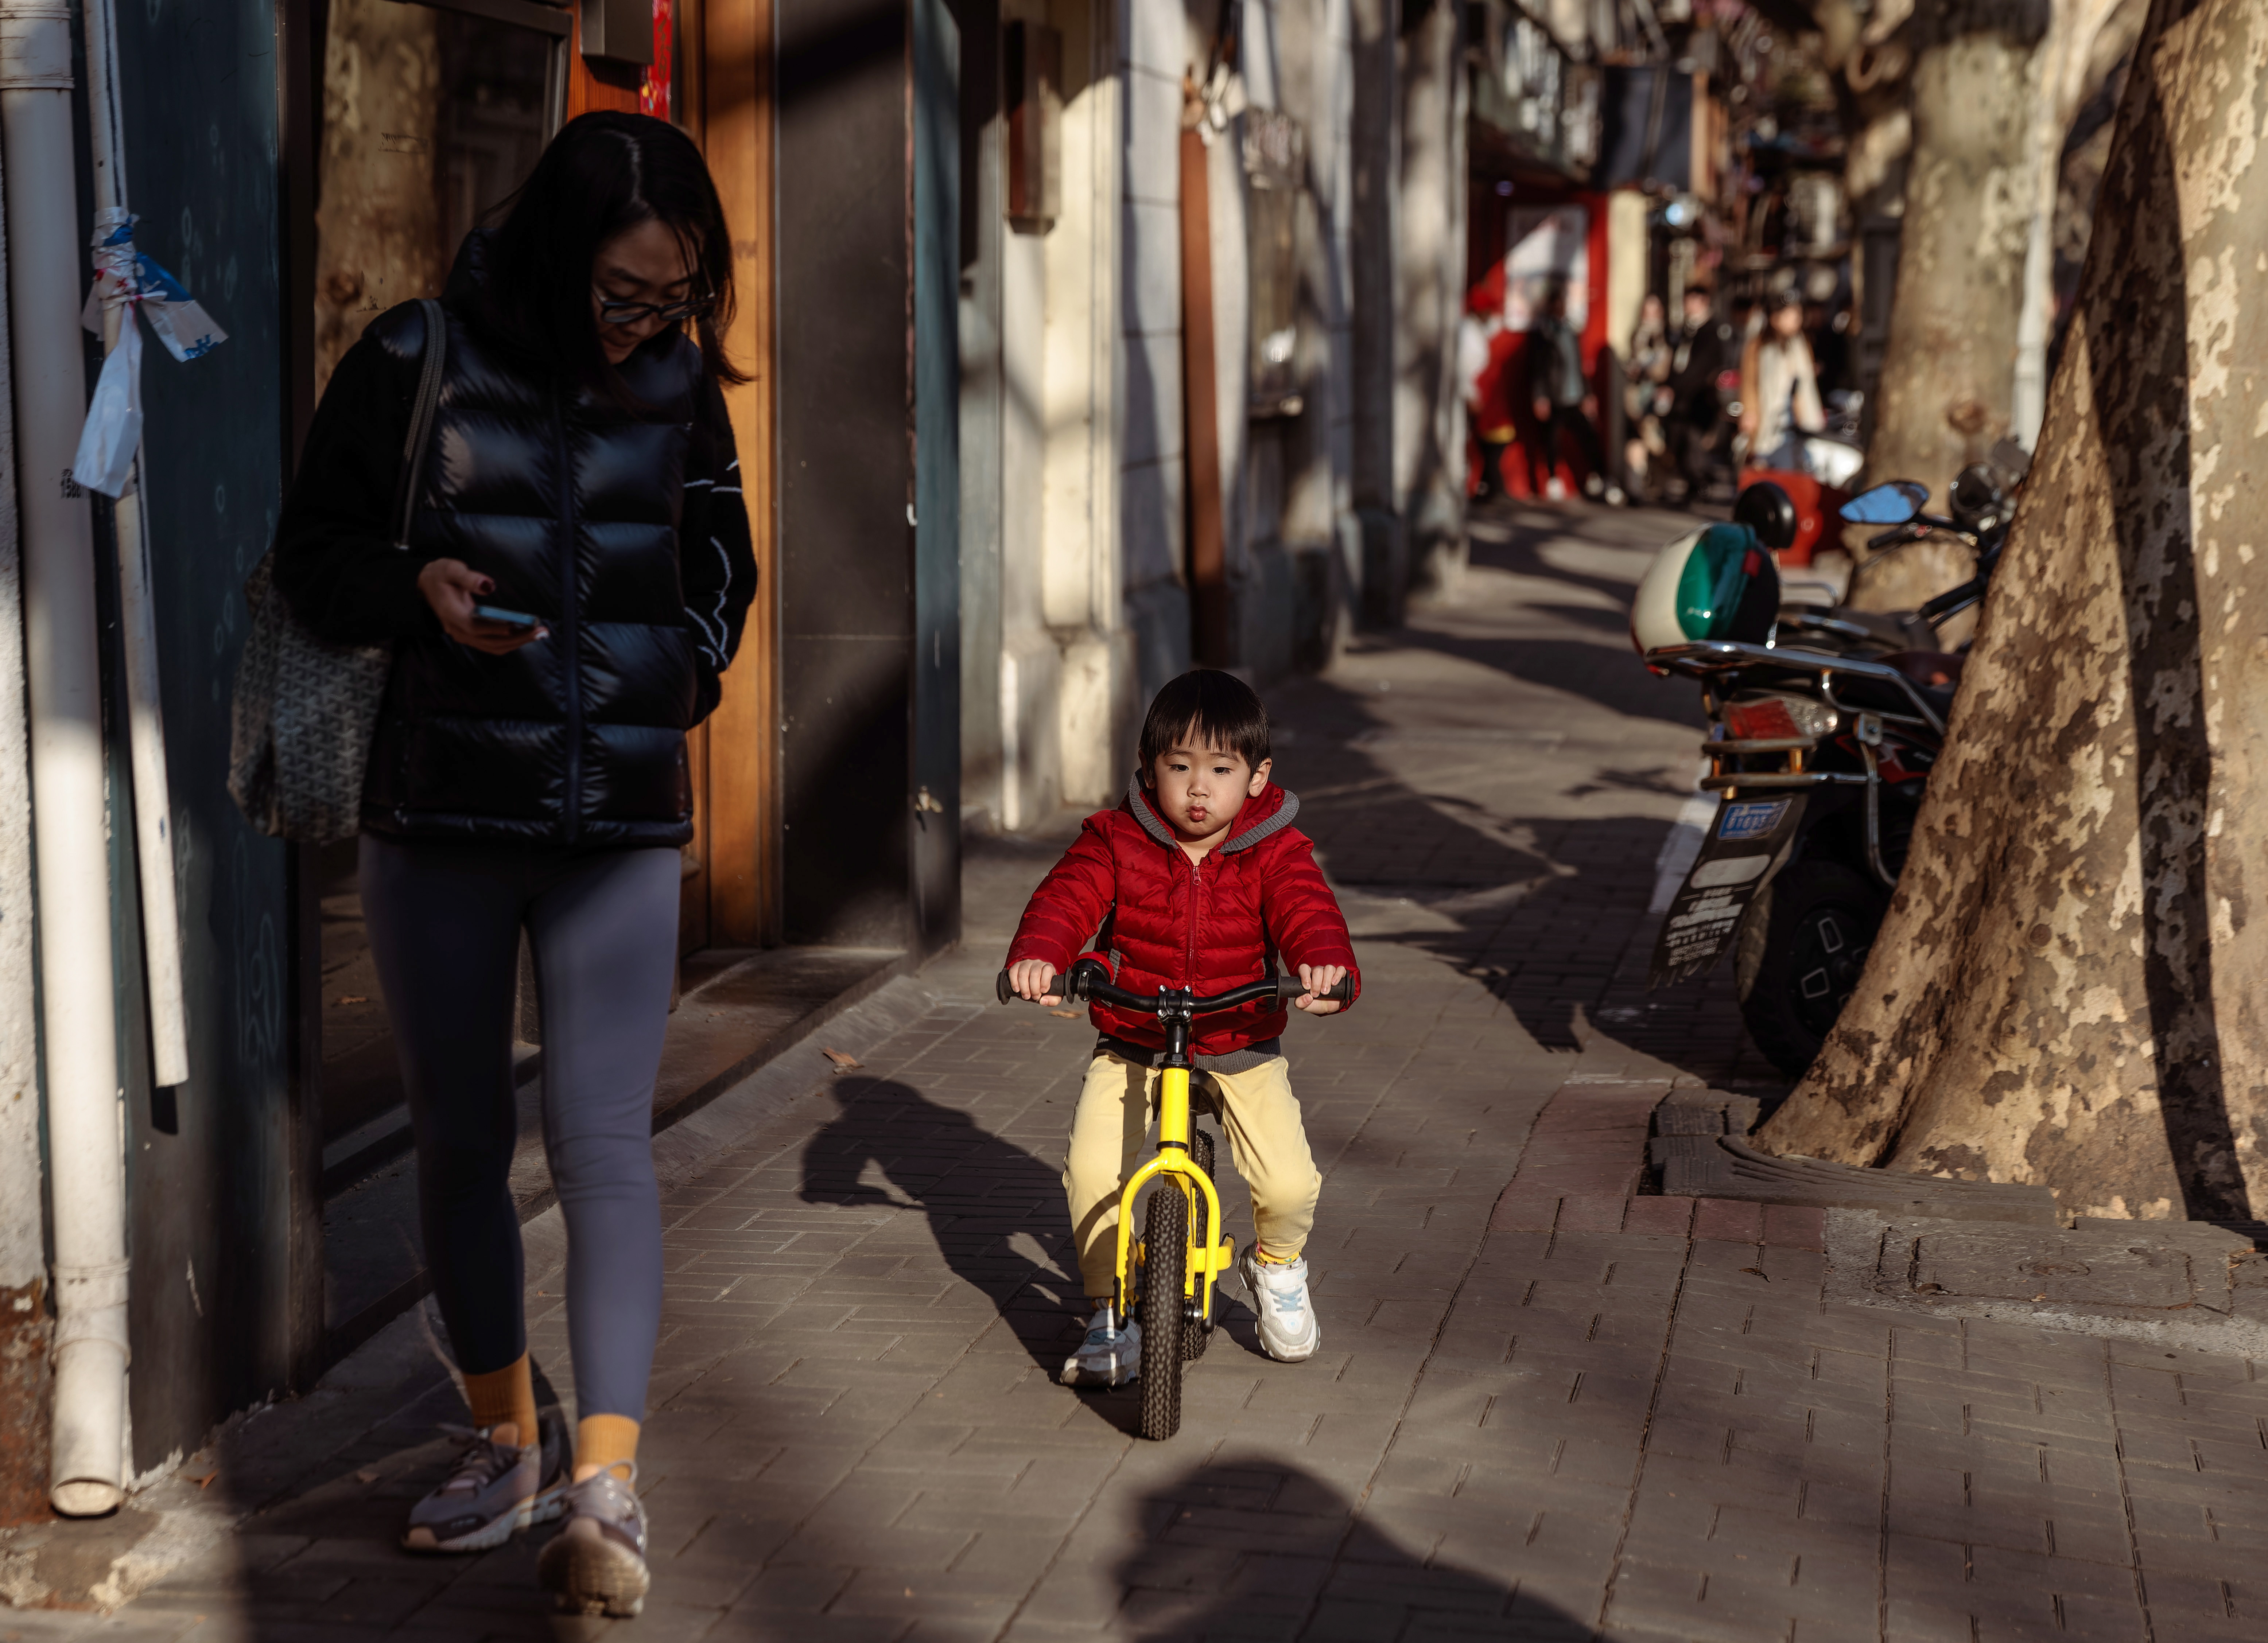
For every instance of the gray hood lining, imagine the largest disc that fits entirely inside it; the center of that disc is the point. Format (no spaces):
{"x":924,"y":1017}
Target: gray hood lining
{"x":1139,"y":802}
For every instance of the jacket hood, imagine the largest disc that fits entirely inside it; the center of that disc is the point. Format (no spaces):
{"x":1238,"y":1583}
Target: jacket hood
{"x":1262,"y":817}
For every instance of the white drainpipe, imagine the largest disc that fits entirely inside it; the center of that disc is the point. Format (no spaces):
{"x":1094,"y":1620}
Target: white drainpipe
{"x":85,"y":1111}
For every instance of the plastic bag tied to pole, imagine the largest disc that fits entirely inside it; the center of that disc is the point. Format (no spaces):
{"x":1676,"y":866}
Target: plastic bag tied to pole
{"x":124,"y":277}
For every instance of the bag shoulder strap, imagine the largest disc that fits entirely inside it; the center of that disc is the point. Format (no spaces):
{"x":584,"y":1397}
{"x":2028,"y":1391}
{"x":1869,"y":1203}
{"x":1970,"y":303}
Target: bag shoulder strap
{"x":421,"y":418}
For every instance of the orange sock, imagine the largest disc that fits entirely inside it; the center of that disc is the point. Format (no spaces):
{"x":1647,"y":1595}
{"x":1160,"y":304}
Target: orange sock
{"x":505,"y":1394}
{"x":1267,"y":1260}
{"x":604,"y":1441}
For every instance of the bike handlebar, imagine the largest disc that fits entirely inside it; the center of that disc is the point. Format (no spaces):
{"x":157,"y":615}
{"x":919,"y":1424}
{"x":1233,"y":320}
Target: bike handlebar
{"x":1086,"y":981}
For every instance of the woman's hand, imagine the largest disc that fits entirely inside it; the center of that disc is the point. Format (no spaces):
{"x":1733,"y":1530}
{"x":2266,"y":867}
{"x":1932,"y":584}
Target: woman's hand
{"x":1319,"y":979}
{"x":452,"y":588}
{"x":1034,"y":979}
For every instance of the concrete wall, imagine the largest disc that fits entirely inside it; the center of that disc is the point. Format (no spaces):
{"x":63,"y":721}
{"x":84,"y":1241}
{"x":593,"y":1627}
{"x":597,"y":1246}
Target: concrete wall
{"x":1048,"y":659}
{"x":1157,"y":42}
{"x":1076,"y":454}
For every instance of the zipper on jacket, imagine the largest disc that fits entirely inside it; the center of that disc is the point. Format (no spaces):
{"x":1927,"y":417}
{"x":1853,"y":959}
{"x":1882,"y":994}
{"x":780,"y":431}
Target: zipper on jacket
{"x":570,"y":626}
{"x":1197,"y":895}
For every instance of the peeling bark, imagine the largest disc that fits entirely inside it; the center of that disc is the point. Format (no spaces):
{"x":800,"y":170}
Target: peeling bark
{"x":2068,"y":989}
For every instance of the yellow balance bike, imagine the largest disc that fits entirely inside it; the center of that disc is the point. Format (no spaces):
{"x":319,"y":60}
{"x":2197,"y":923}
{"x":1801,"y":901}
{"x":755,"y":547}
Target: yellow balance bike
{"x":1166,"y":1279}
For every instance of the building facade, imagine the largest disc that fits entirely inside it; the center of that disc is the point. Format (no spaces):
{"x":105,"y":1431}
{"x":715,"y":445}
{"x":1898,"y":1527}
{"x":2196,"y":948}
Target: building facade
{"x":1088,"y":339}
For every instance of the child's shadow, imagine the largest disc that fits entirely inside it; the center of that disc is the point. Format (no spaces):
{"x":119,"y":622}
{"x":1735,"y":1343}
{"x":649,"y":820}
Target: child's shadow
{"x":996,"y":1210}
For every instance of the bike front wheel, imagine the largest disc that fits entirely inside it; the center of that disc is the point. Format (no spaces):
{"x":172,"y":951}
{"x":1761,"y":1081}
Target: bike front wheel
{"x":1164,"y":1273}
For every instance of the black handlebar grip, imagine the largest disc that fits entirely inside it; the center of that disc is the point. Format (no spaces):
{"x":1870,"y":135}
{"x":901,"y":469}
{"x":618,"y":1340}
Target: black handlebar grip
{"x":1292,"y":987}
{"x":1003,"y":988}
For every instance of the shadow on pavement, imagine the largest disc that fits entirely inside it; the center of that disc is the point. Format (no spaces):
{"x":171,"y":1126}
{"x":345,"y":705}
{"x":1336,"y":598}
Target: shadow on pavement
{"x":891,"y":1145}
{"x":1235,"y":1550}
{"x":1548,"y":912}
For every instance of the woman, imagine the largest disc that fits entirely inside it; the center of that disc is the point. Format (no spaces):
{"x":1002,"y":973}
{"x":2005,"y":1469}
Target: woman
{"x":532,"y":773}
{"x":1645,"y":398}
{"x":1779,"y":389}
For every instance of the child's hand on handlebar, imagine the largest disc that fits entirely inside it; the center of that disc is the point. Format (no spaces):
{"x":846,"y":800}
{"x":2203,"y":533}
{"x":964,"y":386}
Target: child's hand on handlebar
{"x":1034,"y":979}
{"x":1319,"y":979}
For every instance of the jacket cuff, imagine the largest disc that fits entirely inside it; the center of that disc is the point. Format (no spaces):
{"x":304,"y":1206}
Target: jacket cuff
{"x":1024,"y":948}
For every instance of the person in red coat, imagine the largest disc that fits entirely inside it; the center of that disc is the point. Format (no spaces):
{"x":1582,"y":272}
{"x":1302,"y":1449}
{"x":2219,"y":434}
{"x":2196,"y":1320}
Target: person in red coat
{"x":1197,"y":880}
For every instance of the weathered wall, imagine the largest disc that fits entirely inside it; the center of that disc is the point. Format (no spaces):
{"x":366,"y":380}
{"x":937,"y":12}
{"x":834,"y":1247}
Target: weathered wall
{"x":212,"y":1234}
{"x":854,"y":551}
{"x":1157,"y":42}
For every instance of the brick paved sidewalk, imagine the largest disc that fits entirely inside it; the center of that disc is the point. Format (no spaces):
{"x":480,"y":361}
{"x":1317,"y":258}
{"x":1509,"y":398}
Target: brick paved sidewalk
{"x":1547,"y":1406}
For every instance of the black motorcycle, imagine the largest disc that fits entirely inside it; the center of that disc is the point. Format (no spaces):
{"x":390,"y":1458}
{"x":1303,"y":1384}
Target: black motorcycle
{"x":1823,"y":735}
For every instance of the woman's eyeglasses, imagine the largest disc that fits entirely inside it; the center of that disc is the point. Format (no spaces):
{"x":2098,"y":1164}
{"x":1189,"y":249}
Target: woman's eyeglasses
{"x":612,"y":313}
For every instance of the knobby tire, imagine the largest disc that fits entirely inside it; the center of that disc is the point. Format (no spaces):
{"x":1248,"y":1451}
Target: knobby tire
{"x":1165,"y":1270}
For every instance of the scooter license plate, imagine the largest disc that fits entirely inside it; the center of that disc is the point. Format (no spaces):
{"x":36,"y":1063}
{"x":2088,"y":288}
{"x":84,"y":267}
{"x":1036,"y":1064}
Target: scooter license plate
{"x":1748,"y":839}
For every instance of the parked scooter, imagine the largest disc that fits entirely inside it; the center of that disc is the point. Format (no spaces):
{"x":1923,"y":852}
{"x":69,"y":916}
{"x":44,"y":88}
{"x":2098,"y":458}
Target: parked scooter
{"x":1825,"y":724}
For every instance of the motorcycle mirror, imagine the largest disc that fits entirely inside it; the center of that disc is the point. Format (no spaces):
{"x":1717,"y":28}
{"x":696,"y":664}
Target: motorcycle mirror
{"x":1893,"y":504}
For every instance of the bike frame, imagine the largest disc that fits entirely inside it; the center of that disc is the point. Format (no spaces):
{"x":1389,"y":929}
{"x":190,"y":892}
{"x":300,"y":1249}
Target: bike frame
{"x":1176,"y":1013}
{"x":1088,"y":981}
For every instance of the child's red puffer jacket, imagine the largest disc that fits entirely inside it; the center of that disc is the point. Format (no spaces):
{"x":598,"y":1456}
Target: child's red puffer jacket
{"x":1164,"y":921}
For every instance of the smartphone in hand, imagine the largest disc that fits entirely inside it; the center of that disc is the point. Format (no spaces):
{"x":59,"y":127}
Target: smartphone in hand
{"x":518,"y":621}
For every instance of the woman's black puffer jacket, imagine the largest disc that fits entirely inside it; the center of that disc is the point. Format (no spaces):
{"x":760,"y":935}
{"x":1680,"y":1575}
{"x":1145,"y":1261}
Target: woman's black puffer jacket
{"x":623,"y":532}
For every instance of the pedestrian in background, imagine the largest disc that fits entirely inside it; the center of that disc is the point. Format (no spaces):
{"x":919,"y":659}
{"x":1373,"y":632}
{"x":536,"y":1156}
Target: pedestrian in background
{"x":1561,"y":397}
{"x":1646,"y":396}
{"x":577,"y":573}
{"x":1779,"y":389}
{"x":1481,"y":346}
{"x":1702,"y":354}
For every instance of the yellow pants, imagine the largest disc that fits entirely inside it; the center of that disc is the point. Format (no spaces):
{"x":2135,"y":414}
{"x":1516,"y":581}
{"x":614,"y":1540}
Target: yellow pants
{"x":1109,"y":1141}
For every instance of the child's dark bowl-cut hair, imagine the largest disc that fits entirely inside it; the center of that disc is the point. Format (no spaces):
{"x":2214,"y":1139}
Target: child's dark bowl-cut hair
{"x":1216,"y":709}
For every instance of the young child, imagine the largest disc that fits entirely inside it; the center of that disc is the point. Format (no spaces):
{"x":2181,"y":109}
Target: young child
{"x":1197,"y":880}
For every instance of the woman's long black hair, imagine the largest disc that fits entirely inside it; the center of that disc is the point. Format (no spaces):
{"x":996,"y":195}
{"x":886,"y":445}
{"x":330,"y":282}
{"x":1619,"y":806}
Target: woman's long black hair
{"x":604,"y":173}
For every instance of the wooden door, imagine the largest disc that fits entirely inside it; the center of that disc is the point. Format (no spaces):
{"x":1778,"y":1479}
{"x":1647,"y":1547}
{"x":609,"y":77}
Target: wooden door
{"x":735,"y":44}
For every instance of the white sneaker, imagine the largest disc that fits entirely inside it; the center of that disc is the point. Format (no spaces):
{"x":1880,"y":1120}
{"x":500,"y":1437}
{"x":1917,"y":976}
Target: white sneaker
{"x":1279,"y":1289}
{"x":1110,"y":1356}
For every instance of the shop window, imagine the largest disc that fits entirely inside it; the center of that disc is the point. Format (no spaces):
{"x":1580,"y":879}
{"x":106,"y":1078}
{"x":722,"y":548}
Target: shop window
{"x":1275,"y":166}
{"x":432,"y":116}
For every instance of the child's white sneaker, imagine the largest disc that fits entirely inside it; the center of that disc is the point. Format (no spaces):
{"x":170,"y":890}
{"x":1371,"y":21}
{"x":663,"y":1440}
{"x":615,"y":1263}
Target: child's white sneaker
{"x":1279,"y":1289}
{"x":1110,"y":1356}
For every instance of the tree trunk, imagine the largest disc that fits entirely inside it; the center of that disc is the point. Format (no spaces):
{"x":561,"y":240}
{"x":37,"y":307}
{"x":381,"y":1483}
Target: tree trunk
{"x":2068,"y":988}
{"x":1948,"y":375}
{"x":2065,"y":58}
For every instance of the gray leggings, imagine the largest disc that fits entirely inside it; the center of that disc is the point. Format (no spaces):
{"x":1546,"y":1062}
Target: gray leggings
{"x":445,"y":922}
